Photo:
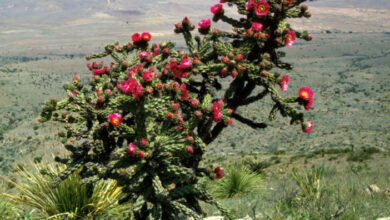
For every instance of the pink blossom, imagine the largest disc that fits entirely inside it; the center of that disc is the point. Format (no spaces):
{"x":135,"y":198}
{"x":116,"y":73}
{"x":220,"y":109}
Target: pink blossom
{"x":249,"y":5}
{"x":176,"y":70}
{"x":155,"y":50}
{"x":185,"y":63}
{"x":143,"y":54}
{"x":76,"y":76}
{"x":99,"y":71}
{"x":257,"y":26}
{"x":146,"y":36}
{"x":147,"y":76}
{"x":115,"y":119}
{"x":133,"y":87}
{"x":262,"y":8}
{"x":308,"y":104}
{"x":131,"y":149}
{"x":74,"y":93}
{"x":204,"y":24}
{"x":136,"y":38}
{"x":216,"y":112}
{"x":216,"y":9}
{"x":284,"y":83}
{"x":305,"y":93}
{"x":184,"y":93}
{"x":289,"y":39}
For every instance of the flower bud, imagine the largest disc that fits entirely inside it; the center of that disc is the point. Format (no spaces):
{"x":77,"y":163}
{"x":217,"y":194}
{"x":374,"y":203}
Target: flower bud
{"x":190,"y":150}
{"x":224,"y":71}
{"x":169,"y":115}
{"x":224,"y":59}
{"x":108,"y":92}
{"x":232,"y":63}
{"x":198,"y":114}
{"x":100,"y":99}
{"x":239,"y":57}
{"x":166,"y":51}
{"x":131,"y":149}
{"x":144,"y":142}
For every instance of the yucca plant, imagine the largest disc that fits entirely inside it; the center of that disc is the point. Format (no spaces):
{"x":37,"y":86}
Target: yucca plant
{"x":69,"y":199}
{"x":257,"y":166}
{"x":309,"y":182}
{"x":238,"y":181}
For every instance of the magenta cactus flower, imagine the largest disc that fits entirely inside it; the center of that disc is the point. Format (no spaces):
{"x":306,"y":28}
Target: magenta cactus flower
{"x":261,"y":8}
{"x":146,"y":36}
{"x":305,"y":93}
{"x":249,"y":5}
{"x":257,"y":26}
{"x":290,"y":38}
{"x":284,"y":83}
{"x":204,"y":24}
{"x":308,"y":104}
{"x":216,"y":9}
{"x":136,"y":38}
{"x":147,"y":76}
{"x":131,"y":149}
{"x":115,"y":119}
{"x":184,"y":93}
{"x":185,"y":63}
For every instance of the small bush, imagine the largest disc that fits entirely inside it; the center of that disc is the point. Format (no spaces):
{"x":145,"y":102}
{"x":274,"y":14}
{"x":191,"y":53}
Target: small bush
{"x":309,"y":183}
{"x":359,"y":156}
{"x":238,"y":181}
{"x":257,"y":166}
{"x":70,"y":199}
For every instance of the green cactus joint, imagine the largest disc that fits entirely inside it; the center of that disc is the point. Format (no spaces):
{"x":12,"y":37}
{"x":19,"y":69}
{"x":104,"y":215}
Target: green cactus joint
{"x":146,"y":119}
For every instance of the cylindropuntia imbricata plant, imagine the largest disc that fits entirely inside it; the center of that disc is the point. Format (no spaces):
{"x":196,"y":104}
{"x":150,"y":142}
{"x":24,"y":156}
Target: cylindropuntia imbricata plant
{"x":146,"y":119}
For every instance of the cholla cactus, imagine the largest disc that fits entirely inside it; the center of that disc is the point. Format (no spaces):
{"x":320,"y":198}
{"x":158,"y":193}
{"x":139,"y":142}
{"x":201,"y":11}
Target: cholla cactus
{"x":146,"y":119}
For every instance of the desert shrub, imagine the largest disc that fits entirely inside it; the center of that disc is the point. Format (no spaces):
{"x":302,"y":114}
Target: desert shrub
{"x":70,"y":199}
{"x":371,"y":150}
{"x":280,"y":152}
{"x":257,"y":166}
{"x":238,"y":181}
{"x":309,"y":182}
{"x":359,"y":156}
